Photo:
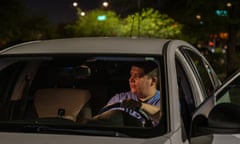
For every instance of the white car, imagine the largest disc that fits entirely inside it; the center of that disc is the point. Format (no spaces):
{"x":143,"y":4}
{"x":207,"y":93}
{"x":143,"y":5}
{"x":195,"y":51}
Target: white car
{"x":50,"y":89}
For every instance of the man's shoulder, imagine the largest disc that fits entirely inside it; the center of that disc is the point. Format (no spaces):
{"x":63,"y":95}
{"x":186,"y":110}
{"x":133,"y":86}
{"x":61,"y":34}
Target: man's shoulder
{"x":121,"y":96}
{"x":127,"y":93}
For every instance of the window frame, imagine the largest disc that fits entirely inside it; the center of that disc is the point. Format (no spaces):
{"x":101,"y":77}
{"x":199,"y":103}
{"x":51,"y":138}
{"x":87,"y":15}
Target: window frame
{"x":150,"y":132}
{"x":211,"y":75}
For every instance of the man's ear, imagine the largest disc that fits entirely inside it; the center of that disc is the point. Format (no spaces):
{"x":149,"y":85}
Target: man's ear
{"x":154,"y":81}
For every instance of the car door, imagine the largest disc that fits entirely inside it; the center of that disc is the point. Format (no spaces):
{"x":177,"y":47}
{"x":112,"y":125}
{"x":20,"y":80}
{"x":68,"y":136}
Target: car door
{"x":183,"y":57}
{"x":207,"y":79}
{"x":196,"y":83}
{"x":222,"y":124}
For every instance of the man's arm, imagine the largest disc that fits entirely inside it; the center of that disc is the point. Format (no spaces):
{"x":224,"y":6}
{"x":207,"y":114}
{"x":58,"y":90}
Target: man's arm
{"x":153,"y":111}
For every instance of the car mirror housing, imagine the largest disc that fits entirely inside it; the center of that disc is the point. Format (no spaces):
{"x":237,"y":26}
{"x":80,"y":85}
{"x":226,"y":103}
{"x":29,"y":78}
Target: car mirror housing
{"x":224,"y":118}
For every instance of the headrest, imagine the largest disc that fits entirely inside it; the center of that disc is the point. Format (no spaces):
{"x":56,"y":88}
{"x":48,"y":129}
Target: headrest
{"x":64,"y":102}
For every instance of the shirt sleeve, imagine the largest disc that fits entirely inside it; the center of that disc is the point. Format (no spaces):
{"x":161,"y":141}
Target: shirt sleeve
{"x":114,"y":99}
{"x":118,"y":98}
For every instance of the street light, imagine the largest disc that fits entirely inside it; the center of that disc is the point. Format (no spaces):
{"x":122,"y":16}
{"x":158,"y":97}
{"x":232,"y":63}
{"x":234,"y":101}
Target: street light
{"x":105,"y":4}
{"x":229,"y":4}
{"x":198,"y":17}
{"x":82,"y":13}
{"x":75,"y":4}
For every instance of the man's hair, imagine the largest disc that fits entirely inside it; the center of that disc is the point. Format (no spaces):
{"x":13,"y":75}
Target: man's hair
{"x":150,"y":68}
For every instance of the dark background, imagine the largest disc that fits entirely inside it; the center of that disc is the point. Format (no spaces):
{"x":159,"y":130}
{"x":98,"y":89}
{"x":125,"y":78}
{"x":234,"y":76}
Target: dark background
{"x":26,"y":20}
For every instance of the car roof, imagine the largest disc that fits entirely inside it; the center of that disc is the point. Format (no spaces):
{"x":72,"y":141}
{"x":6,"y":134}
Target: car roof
{"x":90,"y":45}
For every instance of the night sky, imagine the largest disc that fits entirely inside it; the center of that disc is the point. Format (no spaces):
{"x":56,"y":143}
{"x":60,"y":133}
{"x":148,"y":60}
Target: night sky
{"x":62,"y":11}
{"x":58,"y":11}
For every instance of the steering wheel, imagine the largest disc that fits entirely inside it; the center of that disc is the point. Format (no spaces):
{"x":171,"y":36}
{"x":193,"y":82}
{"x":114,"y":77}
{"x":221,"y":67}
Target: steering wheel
{"x":130,"y":116}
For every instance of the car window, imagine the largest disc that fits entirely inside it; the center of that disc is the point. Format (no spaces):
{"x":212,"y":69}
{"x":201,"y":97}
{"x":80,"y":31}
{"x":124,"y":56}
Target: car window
{"x":66,"y":93}
{"x":203,"y":72}
{"x":230,"y":94}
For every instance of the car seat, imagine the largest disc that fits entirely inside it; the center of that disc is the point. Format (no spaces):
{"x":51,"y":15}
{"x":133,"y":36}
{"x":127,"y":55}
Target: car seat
{"x":66,"y":103}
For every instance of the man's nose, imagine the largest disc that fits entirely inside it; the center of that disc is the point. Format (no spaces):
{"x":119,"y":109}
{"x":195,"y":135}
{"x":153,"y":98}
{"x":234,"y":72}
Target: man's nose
{"x":131,"y":79}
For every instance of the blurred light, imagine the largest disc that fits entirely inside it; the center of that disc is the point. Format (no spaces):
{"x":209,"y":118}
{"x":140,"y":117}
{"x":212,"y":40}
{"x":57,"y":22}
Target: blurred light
{"x":101,"y":18}
{"x":223,"y":51}
{"x":105,"y":4}
{"x":82,"y":13}
{"x":212,"y":50}
{"x":229,"y":4}
{"x":225,"y":47}
{"x":211,"y":43}
{"x":198,"y":17}
{"x":221,"y":12}
{"x":223,"y":35}
{"x":75,"y":4}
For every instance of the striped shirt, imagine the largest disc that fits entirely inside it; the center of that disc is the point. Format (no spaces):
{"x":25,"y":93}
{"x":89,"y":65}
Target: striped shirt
{"x":118,"y":98}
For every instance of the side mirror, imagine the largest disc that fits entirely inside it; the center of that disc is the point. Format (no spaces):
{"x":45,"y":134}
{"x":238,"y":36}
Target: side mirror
{"x":224,"y":118}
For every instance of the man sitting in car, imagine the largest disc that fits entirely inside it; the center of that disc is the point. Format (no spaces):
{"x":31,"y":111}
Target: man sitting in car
{"x":143,"y":94}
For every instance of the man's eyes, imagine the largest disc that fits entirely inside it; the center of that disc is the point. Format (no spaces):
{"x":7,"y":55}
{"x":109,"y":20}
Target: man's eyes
{"x":136,"y":76}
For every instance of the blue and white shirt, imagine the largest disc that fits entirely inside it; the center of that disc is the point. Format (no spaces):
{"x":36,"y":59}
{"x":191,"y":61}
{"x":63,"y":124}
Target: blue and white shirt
{"x":155,"y":100}
{"x":118,"y":98}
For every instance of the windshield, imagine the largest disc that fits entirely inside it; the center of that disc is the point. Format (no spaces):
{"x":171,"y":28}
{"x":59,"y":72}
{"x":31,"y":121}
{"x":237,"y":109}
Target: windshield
{"x":100,"y":95}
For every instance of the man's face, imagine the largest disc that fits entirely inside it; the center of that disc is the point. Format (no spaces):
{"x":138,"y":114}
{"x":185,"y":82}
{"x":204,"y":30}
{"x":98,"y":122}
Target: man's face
{"x":139,"y":82}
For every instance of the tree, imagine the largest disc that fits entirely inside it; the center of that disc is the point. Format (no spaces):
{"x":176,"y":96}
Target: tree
{"x":127,"y":7}
{"x":150,"y":23}
{"x":12,"y":15}
{"x":95,"y":23}
{"x":17,"y":26}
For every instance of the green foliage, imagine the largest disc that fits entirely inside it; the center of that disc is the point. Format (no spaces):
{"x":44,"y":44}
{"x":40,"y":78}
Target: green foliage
{"x":89,"y":25}
{"x":150,"y":23}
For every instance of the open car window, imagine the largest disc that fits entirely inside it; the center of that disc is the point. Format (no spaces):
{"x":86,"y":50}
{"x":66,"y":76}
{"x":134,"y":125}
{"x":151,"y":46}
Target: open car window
{"x":229,"y":93}
{"x":63,"y":93}
{"x":222,"y":117}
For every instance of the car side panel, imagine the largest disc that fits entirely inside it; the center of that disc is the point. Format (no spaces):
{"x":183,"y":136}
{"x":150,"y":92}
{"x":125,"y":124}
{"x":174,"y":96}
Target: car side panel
{"x":25,"y":138}
{"x":226,"y":139}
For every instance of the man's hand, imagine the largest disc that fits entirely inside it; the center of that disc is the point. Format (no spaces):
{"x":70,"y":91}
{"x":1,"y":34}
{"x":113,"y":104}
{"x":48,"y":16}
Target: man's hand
{"x":131,"y":104}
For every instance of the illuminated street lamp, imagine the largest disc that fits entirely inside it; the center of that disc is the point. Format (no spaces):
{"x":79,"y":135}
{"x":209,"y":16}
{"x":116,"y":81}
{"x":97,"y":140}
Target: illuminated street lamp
{"x":82,"y":13}
{"x":198,"y":17}
{"x":105,"y":4}
{"x":75,"y":4}
{"x":229,"y":4}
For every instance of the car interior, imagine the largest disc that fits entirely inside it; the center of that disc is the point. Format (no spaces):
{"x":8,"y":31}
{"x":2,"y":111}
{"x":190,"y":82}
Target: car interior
{"x":62,"y":90}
